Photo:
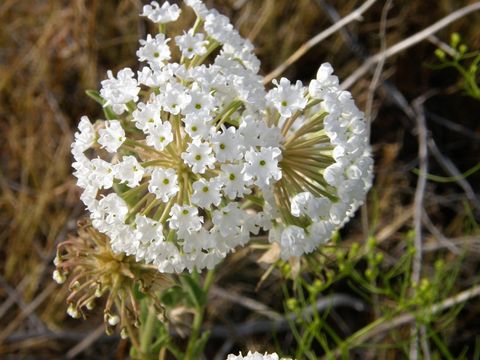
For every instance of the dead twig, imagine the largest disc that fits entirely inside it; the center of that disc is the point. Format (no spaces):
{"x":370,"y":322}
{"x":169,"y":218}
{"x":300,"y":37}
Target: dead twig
{"x":268,"y":326}
{"x":379,"y":68}
{"x":86,"y":342}
{"x":408,"y":42}
{"x":246,"y":302}
{"x":422,"y":134}
{"x":354,"y":15}
{"x":453,"y":171}
{"x":30,"y":308}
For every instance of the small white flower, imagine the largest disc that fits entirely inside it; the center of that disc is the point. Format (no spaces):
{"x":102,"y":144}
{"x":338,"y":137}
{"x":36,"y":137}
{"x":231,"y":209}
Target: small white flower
{"x":159,"y":136}
{"x":164,"y":183}
{"x":253,"y":356}
{"x":198,"y":126}
{"x":185,"y":219}
{"x":338,"y":213}
{"x":306,"y":204}
{"x":226,"y":145}
{"x":320,"y":232}
{"x":324,"y":84}
{"x":161,"y":15}
{"x":263,"y":165}
{"x":100,"y":174}
{"x":129,"y":171}
{"x":200,"y":102}
{"x":174,"y":98}
{"x":191,"y":44}
{"x":148,"y":230}
{"x":234,"y":182}
{"x":228,"y":219}
{"x":111,"y":210}
{"x":218,"y":27}
{"x":199,"y":156}
{"x":117,"y":92}
{"x":334,"y":174}
{"x":112,"y":136}
{"x":294,"y":242}
{"x":148,"y":114}
{"x":199,"y":7}
{"x":287,"y":98}
{"x":154,"y":50}
{"x":85,"y":137}
{"x":206,"y":193}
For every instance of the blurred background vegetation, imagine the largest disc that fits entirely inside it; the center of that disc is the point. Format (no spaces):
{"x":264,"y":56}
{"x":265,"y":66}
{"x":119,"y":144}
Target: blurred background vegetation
{"x":51,"y":51}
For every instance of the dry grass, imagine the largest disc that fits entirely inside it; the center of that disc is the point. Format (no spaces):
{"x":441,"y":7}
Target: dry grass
{"x":51,"y":51}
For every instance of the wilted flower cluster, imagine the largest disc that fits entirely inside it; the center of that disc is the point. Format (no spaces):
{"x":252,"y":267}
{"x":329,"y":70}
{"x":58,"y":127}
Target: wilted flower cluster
{"x":196,"y":156}
{"x":95,"y":272}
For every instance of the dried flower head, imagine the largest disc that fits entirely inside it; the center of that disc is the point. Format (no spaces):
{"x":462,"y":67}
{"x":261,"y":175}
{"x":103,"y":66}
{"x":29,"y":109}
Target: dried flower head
{"x":94,"y":272}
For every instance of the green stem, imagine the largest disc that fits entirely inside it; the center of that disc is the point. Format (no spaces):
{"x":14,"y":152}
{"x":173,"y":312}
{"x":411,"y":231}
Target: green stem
{"x":198,"y":319}
{"x":147,"y":331}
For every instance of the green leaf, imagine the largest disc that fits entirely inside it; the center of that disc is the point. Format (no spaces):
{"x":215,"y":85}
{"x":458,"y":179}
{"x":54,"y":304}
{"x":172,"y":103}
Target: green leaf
{"x":109,"y":114}
{"x":194,"y":291}
{"x":172,"y":296}
{"x":137,"y":294}
{"x":200,"y":345}
{"x":107,"y":110}
{"x":95,"y":95}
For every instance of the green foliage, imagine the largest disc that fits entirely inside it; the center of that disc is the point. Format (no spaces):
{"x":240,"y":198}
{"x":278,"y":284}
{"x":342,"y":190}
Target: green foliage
{"x":465,"y":61}
{"x":383,"y":285}
{"x":107,"y":110}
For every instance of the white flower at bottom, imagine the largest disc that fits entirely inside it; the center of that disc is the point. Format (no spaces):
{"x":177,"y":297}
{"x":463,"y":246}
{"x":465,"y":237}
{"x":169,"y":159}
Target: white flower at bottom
{"x":253,"y":356}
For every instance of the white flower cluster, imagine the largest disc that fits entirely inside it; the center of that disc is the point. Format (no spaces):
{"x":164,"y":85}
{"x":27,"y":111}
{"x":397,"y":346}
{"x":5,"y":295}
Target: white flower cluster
{"x":195,"y":156}
{"x":253,"y":356}
{"x":327,"y":168}
{"x":188,"y":144}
